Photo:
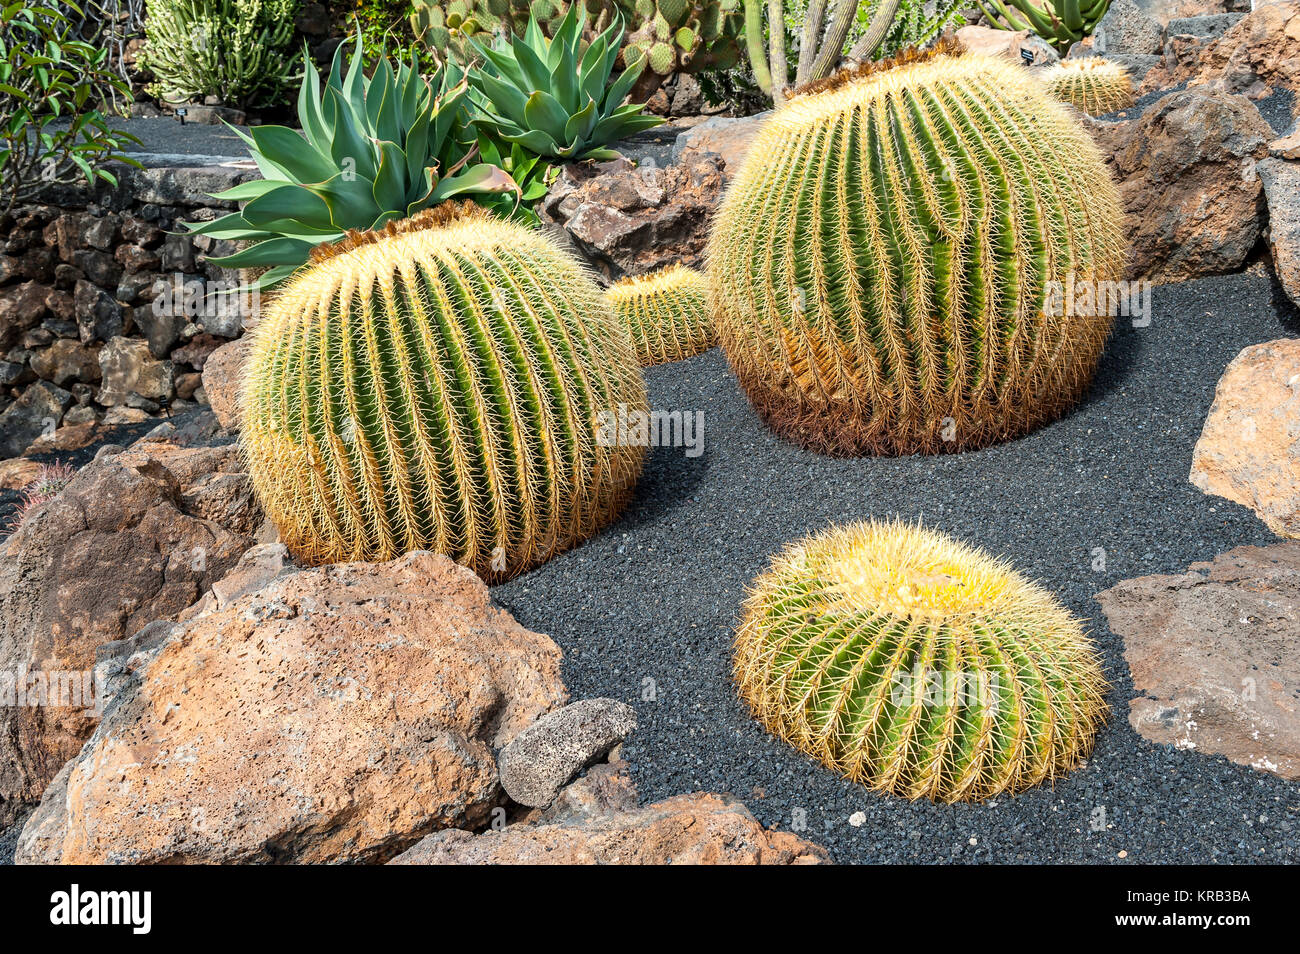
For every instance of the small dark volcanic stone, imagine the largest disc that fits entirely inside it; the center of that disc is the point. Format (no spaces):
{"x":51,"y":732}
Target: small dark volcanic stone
{"x":644,"y":612}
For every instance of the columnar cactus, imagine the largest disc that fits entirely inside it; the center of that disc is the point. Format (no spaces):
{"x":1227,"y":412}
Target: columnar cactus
{"x":667,"y":312}
{"x":1090,"y":83}
{"x":880,"y":265}
{"x":440,"y":384}
{"x":917,"y":665}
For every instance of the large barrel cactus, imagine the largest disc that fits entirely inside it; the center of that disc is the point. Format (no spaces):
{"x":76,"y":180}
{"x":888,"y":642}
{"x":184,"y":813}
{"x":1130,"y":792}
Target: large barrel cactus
{"x":667,"y":312}
{"x":917,"y":665}
{"x":440,"y":384}
{"x":881,"y":263}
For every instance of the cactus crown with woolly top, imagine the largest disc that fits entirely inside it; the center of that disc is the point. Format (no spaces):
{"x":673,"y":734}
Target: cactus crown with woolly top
{"x":917,"y":665}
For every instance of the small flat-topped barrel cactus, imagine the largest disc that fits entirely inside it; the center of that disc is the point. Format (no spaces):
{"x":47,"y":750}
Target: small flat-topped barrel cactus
{"x":880,"y":265}
{"x":440,"y":385}
{"x":1090,"y":83}
{"x":917,"y":665}
{"x":667,"y":312}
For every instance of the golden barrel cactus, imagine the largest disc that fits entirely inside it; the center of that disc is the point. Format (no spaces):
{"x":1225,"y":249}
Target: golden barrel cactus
{"x":440,"y":385}
{"x":880,"y":265}
{"x":917,"y":665}
{"x":1092,"y":84}
{"x":667,"y":312}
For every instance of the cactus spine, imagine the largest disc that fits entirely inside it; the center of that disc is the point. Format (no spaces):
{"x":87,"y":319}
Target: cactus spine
{"x":667,"y":313}
{"x":880,"y":265}
{"x":916,"y":665}
{"x":439,"y":385}
{"x":1093,"y":84}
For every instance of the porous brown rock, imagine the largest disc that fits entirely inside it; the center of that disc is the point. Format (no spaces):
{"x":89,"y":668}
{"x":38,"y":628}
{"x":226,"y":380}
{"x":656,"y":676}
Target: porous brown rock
{"x":222,"y":374}
{"x":1187,"y":176}
{"x":135,"y":537}
{"x":596,"y":821}
{"x":1256,"y":56}
{"x":1249,"y":449}
{"x":128,"y":368}
{"x":630,"y":220}
{"x":1281,"y":179}
{"x":336,"y":714}
{"x":726,"y":136}
{"x":38,"y":410}
{"x":1212,"y":654}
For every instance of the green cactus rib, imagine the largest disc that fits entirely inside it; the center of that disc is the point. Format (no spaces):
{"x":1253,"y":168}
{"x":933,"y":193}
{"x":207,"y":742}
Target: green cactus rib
{"x":439,"y":385}
{"x":667,"y":312}
{"x":880,"y":265}
{"x":917,"y":665}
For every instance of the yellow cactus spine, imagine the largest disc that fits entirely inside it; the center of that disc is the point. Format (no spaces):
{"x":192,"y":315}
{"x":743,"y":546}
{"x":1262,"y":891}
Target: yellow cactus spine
{"x":440,"y":385}
{"x":667,"y":313}
{"x":917,"y":665}
{"x":880,"y":264}
{"x":1092,"y":84}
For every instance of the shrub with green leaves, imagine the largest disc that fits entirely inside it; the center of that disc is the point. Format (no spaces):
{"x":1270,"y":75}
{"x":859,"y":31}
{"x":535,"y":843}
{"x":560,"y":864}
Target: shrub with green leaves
{"x":915,"y":24}
{"x":240,"y":51}
{"x":673,"y":36}
{"x":554,"y":96}
{"x":52,"y":85}
{"x":371,"y":151}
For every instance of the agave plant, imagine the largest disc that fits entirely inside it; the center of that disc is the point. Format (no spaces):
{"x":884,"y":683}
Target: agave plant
{"x":1062,"y":23}
{"x":371,"y":151}
{"x":554,"y":98}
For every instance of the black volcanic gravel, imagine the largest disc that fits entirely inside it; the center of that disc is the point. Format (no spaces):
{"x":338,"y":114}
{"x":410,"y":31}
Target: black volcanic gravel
{"x":644,"y":612}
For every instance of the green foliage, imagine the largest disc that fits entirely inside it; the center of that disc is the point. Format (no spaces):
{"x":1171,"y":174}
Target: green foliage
{"x":687,"y":36}
{"x":1062,"y":23}
{"x":239,"y":51}
{"x":913,"y":25}
{"x":440,"y":388}
{"x":387,"y":25}
{"x":531,"y":173}
{"x":554,"y":96}
{"x":52,"y":129}
{"x":371,"y":151}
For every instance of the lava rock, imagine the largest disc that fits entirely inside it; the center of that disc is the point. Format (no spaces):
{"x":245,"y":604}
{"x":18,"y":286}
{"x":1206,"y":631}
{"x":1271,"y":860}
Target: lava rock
{"x":548,"y":754}
{"x":1212,"y":654}
{"x":336,"y":714}
{"x":1249,"y":450}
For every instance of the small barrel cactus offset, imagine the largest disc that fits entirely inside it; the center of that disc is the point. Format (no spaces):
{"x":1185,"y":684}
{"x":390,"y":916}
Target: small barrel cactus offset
{"x":440,"y":384}
{"x":917,"y":665}
{"x":1091,"y":83}
{"x":667,"y":312}
{"x":882,"y":267}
